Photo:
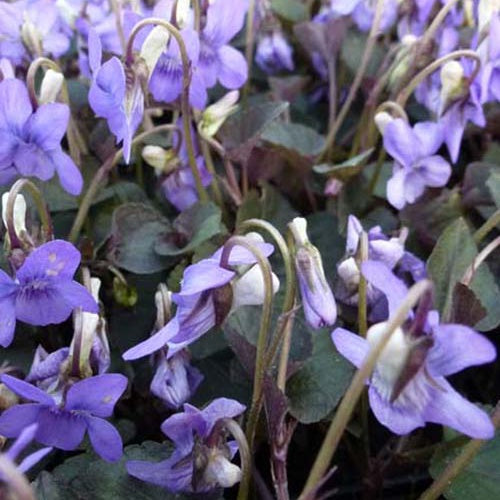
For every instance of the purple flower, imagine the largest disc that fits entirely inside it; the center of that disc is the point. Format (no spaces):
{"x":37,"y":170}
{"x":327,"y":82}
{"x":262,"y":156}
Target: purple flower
{"x":317,"y":298}
{"x":175,"y":380}
{"x":31,"y":141}
{"x":416,"y":165}
{"x":490,"y":74}
{"x":408,"y":386}
{"x":363,"y":12}
{"x":201,"y":461}
{"x":63,"y":424}
{"x":205,"y":300}
{"x":46,"y":368}
{"x":218,"y":60}
{"x":30,"y":29}
{"x":43,"y":291}
{"x":166,"y":80}
{"x":274,"y":53}
{"x":25,"y":437}
{"x":113,"y":96}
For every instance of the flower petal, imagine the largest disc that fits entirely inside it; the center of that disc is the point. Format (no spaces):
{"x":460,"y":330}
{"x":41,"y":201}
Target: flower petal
{"x":16,"y":418}
{"x":27,"y":391}
{"x":105,"y":439}
{"x":351,"y":346}
{"x":401,"y":142}
{"x":47,"y":125}
{"x":7,"y":320}
{"x":204,"y":275}
{"x":60,"y":429}
{"x":232,"y":67}
{"x":69,"y":174}
{"x":15,"y":105}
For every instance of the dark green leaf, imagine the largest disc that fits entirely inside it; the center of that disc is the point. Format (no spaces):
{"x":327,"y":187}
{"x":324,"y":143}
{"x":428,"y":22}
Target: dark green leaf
{"x":315,"y":390}
{"x":493,"y":184}
{"x":347,"y":168}
{"x":294,"y":137}
{"x":290,"y":10}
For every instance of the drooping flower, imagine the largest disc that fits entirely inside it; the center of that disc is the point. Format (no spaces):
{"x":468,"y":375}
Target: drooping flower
{"x":201,"y":461}
{"x":416,"y":165}
{"x":317,"y":297}
{"x":43,"y":291}
{"x":408,"y":386}
{"x":206,"y":298}
{"x":219,"y":61}
{"x":31,"y":29}
{"x":274,"y":54}
{"x":31,"y":141}
{"x":175,"y":380}
{"x":63,"y":424}
{"x":115,"y":94}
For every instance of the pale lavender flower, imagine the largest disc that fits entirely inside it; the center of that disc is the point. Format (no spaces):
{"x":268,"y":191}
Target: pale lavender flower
{"x":175,"y":380}
{"x":219,"y":61}
{"x":201,"y":460}
{"x":490,"y":74}
{"x":63,"y":424}
{"x":113,"y":96}
{"x":408,"y":386}
{"x":274,"y":53}
{"x":416,"y":165}
{"x":318,"y":301}
{"x":205,"y":300}
{"x":31,"y":141}
{"x":43,"y":291}
{"x":363,"y":12}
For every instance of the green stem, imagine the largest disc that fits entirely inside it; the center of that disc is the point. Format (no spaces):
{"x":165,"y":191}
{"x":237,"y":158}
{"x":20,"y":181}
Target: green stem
{"x":490,"y":224}
{"x":243,"y":448}
{"x":378,"y":170}
{"x":478,"y":260}
{"x":253,"y":415}
{"x":353,"y":393}
{"x":117,"y":12}
{"x":186,"y":80}
{"x":207,"y":156}
{"x":370,"y":45}
{"x":99,"y":178}
{"x":469,"y":451}
{"x":362,"y":302}
{"x":405,"y":94}
{"x":430,"y":33}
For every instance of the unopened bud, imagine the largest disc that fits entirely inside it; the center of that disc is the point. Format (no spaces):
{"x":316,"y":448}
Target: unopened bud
{"x":31,"y":37}
{"x":215,"y":115}
{"x":249,"y":289}
{"x":453,"y":84}
{"x":154,"y":45}
{"x":349,"y":273}
{"x":19,"y":213}
{"x":333,"y":187}
{"x":221,"y":472}
{"x":163,"y":160}
{"x":51,"y":86}
{"x":382,"y":119}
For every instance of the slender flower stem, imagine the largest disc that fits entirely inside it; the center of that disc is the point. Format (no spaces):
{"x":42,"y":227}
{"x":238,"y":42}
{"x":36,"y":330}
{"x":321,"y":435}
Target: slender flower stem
{"x":370,"y":45}
{"x":249,"y":42}
{"x":353,"y":393}
{"x":469,"y":451}
{"x":430,"y":33}
{"x":16,"y":482}
{"x":490,"y":224}
{"x":42,"y":209}
{"x":258,"y":385}
{"x":332,"y":90}
{"x":239,"y":436}
{"x":186,"y":80}
{"x":378,"y":170}
{"x":478,"y":260}
{"x":99,"y":178}
{"x":284,"y":329}
{"x":405,"y":94}
{"x":394,"y":108}
{"x":362,"y":302}
{"x":117,"y":12}
{"x":207,"y":156}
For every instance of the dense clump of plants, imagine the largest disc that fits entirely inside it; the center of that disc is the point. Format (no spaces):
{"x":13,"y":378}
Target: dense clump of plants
{"x":249,"y":249}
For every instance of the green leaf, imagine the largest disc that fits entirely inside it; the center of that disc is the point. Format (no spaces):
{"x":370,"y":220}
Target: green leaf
{"x":347,"y":168}
{"x":480,"y":480}
{"x":136,"y":228}
{"x":454,"y":252}
{"x":493,"y":184}
{"x":290,"y":10}
{"x":294,"y":137}
{"x":191,"y":228}
{"x":352,"y":50}
{"x":88,"y":477}
{"x":315,"y":390}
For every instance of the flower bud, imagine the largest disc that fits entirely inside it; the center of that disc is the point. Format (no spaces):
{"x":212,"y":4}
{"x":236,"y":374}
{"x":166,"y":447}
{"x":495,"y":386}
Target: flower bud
{"x":19,"y":213}
{"x":333,"y":187}
{"x":216,"y":114}
{"x":349,"y":273}
{"x":249,"y":290}
{"x":403,"y":60}
{"x":163,"y":160}
{"x":31,"y":37}
{"x":453,"y":84}
{"x":51,"y":86}
{"x":317,"y":297}
{"x":154,"y":45}
{"x":182,"y":13}
{"x":382,"y":119}
{"x":220,"y":471}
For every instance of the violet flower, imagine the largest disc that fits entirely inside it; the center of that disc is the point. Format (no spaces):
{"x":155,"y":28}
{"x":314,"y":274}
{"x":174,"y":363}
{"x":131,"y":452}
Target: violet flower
{"x":490,"y":74}
{"x":218,"y":60}
{"x":114,"y":96}
{"x":206,"y":298}
{"x":43,"y":291}
{"x":416,"y":165}
{"x":408,"y":386}
{"x":201,"y":460}
{"x":175,"y":380}
{"x":274,"y":54}
{"x":31,"y":29}
{"x":24,"y":439}
{"x":46,"y":368}
{"x":317,"y":298}
{"x":31,"y":141}
{"x":63,"y":424}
